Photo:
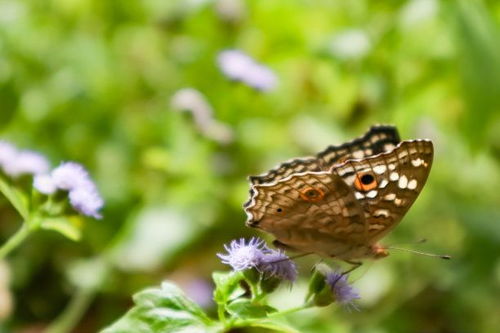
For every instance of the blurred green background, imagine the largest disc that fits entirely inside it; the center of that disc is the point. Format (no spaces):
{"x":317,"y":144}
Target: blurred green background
{"x":93,"y":81}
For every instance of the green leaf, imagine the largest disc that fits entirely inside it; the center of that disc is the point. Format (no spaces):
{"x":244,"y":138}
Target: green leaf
{"x":227,"y":286}
{"x":17,"y":198}
{"x":164,"y":309}
{"x":243,"y":308}
{"x":68,"y":227}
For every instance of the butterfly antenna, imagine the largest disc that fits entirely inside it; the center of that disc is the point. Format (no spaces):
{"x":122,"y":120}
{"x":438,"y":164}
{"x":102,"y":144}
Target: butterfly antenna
{"x":418,"y":241}
{"x":442,"y":256}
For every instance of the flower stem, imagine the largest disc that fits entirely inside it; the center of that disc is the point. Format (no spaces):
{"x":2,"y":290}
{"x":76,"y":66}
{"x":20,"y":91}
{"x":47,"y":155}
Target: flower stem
{"x":288,"y":311}
{"x":73,"y":313}
{"x":221,"y":313}
{"x":15,"y":240}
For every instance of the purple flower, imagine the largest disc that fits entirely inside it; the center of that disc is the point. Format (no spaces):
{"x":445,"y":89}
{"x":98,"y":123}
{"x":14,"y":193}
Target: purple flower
{"x":20,"y":162}
{"x":278,"y":264}
{"x":238,"y":66}
{"x":70,"y":176}
{"x":44,"y":184}
{"x":241,"y":255}
{"x":255,"y":254}
{"x":87,"y":201}
{"x":343,"y":292}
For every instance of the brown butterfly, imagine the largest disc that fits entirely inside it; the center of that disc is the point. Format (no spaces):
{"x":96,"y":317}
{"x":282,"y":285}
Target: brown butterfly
{"x":341,"y":202}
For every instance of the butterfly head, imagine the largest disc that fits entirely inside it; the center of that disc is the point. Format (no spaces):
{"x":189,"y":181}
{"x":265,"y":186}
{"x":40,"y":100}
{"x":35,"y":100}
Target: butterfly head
{"x":378,"y":251}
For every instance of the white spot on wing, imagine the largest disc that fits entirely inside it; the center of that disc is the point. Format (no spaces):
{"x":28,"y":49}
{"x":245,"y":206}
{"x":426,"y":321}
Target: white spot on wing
{"x":381,"y":212}
{"x":394,"y":176}
{"x":390,"y":196}
{"x":417,"y":162}
{"x":403,"y":182}
{"x":383,"y":183}
{"x":376,"y":226}
{"x":380,"y":169}
{"x":392,"y":167}
{"x":412,"y":184}
{"x":372,"y":194}
{"x":388,"y":147}
{"x":359,"y":195}
{"x":358,"y":154}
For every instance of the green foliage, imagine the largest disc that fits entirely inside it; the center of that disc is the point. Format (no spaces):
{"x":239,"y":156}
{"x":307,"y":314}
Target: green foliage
{"x":93,"y":81}
{"x":167,"y":309}
{"x":164,"y":309}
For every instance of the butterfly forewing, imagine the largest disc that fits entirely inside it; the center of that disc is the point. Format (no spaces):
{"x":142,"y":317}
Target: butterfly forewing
{"x":392,"y":183}
{"x":378,"y":139}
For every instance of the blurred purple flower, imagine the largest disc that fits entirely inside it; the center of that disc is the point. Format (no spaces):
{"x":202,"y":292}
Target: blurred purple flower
{"x":87,"y":201}
{"x":26,"y":162}
{"x":193,"y":101}
{"x":238,"y":66}
{"x":200,"y":291}
{"x":70,"y":175}
{"x":44,"y":184}
{"x":20,"y":162}
{"x":241,"y":255}
{"x":343,"y":292}
{"x":278,"y":264}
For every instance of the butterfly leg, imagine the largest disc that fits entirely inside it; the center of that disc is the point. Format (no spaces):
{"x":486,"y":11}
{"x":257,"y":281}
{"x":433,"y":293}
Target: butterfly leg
{"x":355,"y":265}
{"x":283,"y":246}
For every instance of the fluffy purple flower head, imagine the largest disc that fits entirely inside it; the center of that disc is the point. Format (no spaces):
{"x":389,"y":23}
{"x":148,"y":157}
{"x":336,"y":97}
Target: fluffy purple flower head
{"x":20,"y":162}
{"x":241,"y":255}
{"x":278,"y":264}
{"x":234,"y":64}
{"x":44,"y":184}
{"x":70,"y":175}
{"x":86,"y":200}
{"x":343,"y":292}
{"x":238,"y":66}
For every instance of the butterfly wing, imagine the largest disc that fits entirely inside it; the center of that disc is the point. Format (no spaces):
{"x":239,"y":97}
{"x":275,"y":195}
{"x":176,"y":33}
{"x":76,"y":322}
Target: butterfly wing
{"x":387,"y":184}
{"x":378,"y":139}
{"x":310,"y":212}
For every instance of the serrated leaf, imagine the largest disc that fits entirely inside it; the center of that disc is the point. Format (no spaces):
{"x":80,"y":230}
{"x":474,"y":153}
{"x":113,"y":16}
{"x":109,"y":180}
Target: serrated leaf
{"x":164,"y":309}
{"x":64,"y":226}
{"x":243,"y":308}
{"x":227,"y":286}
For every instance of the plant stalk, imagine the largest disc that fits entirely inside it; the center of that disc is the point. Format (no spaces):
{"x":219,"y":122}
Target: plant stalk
{"x":15,"y":240}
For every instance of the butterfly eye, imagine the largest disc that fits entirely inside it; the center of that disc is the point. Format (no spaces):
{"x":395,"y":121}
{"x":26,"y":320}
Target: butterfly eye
{"x":365,"y":182}
{"x":312,"y":194}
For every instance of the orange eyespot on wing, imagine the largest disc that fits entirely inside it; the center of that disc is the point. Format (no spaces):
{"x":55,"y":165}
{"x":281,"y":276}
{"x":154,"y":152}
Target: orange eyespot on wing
{"x":312,"y":194}
{"x":365,"y":181}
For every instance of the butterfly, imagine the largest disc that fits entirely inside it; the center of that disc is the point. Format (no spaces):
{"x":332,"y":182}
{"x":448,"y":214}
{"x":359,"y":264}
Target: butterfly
{"x":342,"y":201}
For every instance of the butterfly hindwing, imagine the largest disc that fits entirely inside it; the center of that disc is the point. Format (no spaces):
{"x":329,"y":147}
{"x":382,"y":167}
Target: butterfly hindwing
{"x":312,"y":209}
